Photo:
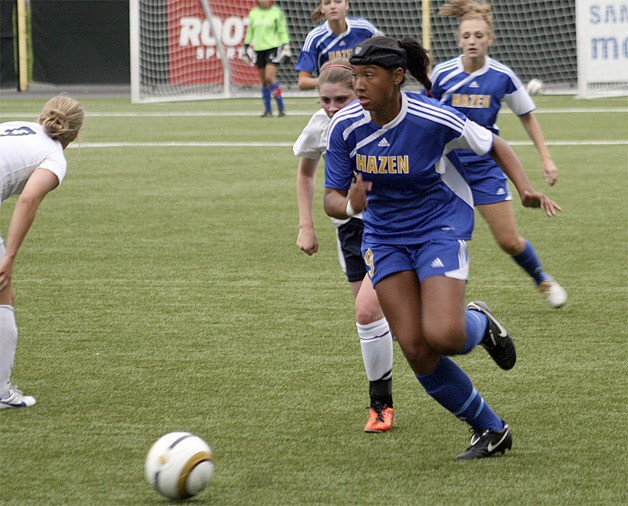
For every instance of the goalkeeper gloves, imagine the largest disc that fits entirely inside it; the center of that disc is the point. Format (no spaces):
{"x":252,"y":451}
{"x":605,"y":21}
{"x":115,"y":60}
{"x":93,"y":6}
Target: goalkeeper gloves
{"x":285,"y":54}
{"x":246,"y":57}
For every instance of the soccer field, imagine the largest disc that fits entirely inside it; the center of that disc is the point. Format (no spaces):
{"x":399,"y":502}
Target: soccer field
{"x":160,"y":289}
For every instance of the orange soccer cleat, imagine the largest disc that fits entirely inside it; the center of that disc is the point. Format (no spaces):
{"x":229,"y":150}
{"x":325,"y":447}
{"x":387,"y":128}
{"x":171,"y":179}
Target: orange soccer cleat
{"x":381,"y":418}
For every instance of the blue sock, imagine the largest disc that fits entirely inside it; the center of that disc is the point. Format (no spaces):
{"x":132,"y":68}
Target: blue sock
{"x":451,"y":388}
{"x":530,"y":262}
{"x":476,"y":328}
{"x":266,"y":97}
{"x":276,"y":91}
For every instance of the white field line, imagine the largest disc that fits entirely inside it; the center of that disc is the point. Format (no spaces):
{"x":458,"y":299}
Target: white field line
{"x":208,"y":114}
{"x":175,"y":144}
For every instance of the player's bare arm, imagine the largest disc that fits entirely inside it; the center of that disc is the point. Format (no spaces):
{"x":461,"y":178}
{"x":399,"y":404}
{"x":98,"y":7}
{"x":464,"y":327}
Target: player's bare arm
{"x":506,"y":158}
{"x":39,"y":184}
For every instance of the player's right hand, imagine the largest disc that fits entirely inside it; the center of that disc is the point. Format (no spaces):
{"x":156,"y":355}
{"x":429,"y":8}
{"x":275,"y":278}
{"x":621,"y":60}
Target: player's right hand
{"x":306,"y":241}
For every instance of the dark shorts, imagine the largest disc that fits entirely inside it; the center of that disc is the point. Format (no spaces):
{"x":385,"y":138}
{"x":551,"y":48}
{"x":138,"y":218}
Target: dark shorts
{"x":263,"y":58}
{"x":350,"y":243}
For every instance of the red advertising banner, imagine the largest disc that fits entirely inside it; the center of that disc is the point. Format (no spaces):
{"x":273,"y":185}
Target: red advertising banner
{"x":194,"y":57}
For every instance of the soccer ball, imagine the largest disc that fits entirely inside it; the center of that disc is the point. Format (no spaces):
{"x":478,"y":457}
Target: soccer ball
{"x":179,"y":465}
{"x":534,"y":86}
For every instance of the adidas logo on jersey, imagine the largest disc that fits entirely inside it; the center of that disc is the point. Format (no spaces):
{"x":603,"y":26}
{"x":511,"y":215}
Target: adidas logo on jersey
{"x":501,"y":191}
{"x":383,"y":143}
{"x":436,"y":263}
{"x":474,"y":84}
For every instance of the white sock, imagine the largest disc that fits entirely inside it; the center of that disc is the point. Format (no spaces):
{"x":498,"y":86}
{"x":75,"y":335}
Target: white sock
{"x":8,"y":345}
{"x":377,"y":349}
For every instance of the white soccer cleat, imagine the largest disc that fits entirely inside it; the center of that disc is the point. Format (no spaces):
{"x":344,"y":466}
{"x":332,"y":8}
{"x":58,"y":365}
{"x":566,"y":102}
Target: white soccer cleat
{"x":555,"y":294}
{"x":17,"y":399}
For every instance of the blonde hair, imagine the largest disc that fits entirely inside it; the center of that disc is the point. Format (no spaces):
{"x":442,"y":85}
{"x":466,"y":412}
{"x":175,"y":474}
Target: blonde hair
{"x":468,"y":9}
{"x":318,"y":15}
{"x":62,"y":118}
{"x":336,"y":71}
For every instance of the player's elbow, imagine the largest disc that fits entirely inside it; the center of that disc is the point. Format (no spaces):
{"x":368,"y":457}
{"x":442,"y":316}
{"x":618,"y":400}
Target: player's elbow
{"x":330,"y":203}
{"x":304,"y":86}
{"x":306,"y":82}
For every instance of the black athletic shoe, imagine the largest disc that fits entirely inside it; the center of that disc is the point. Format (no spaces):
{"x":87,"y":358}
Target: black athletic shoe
{"x":496,"y":340}
{"x":267,"y":114}
{"x":488,"y":443}
{"x":282,"y":113}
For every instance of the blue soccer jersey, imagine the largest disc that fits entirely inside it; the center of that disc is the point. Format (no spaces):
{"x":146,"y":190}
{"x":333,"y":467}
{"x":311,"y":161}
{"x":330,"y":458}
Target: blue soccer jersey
{"x":322,"y":45}
{"x":418,"y":192}
{"x":479,"y":95}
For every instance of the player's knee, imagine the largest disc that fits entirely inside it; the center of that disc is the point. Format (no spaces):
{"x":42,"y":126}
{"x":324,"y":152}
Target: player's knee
{"x":7,"y":296}
{"x":511,"y":244}
{"x":367,"y":310}
{"x":446,"y":338}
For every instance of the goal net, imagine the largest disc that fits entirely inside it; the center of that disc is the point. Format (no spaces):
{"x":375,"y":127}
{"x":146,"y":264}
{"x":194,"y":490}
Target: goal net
{"x":191,"y":49}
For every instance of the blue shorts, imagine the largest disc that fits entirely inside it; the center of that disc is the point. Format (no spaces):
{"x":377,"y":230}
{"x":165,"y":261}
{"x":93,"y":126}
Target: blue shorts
{"x":489,"y":184}
{"x":448,"y":258}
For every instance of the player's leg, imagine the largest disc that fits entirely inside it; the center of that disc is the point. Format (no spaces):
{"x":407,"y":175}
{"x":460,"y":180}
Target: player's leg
{"x":428,"y":318}
{"x":376,"y":344}
{"x":9,"y":396}
{"x":444,"y":321}
{"x":375,"y":336}
{"x":271,"y":79}
{"x":501,"y":220}
{"x":261,"y":60}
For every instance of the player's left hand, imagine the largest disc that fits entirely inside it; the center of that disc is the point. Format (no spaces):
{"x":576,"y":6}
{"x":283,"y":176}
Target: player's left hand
{"x":247,"y":55}
{"x":285,"y":54}
{"x":550,"y":172}
{"x":357,"y":193}
{"x":537,"y":199}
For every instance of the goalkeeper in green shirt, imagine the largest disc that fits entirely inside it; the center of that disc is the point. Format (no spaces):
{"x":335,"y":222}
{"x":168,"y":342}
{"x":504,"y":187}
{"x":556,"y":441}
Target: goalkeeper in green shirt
{"x":268,"y":34}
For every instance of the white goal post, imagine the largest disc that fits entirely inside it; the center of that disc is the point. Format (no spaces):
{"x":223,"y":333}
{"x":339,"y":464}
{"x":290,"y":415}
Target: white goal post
{"x":602,"y":29}
{"x":177,"y":54}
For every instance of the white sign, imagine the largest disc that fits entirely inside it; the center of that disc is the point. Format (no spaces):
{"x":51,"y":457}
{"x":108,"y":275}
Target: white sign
{"x":602,"y":30}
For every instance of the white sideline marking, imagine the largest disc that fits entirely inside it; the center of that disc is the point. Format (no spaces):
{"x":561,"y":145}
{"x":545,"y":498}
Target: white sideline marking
{"x":176,"y":144}
{"x":191,"y":114}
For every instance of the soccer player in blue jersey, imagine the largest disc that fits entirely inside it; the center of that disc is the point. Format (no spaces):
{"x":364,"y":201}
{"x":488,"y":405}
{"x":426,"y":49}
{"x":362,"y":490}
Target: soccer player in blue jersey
{"x":418,"y":214}
{"x":335,"y":89}
{"x":476,"y":85}
{"x":332,"y":39}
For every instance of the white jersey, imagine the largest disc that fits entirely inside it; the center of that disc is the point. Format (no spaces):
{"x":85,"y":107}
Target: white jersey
{"x":312,"y":144}
{"x":24,"y":147}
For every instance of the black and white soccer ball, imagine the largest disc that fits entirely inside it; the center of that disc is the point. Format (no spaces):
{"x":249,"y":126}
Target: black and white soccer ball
{"x":179,"y":465}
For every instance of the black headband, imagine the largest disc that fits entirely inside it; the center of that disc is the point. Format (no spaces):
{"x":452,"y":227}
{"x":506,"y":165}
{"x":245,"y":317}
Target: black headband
{"x":382,"y":56}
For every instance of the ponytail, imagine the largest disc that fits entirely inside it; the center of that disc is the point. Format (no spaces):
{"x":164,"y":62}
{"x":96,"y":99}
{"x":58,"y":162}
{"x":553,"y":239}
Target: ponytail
{"x":317,"y":15}
{"x":418,"y":60}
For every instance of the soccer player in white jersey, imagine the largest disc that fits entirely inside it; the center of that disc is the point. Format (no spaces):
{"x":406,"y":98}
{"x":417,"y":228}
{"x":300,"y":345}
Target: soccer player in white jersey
{"x":476,"y":85}
{"x":332,"y":39}
{"x":418,"y":214}
{"x":335,"y":89}
{"x":32,"y":163}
